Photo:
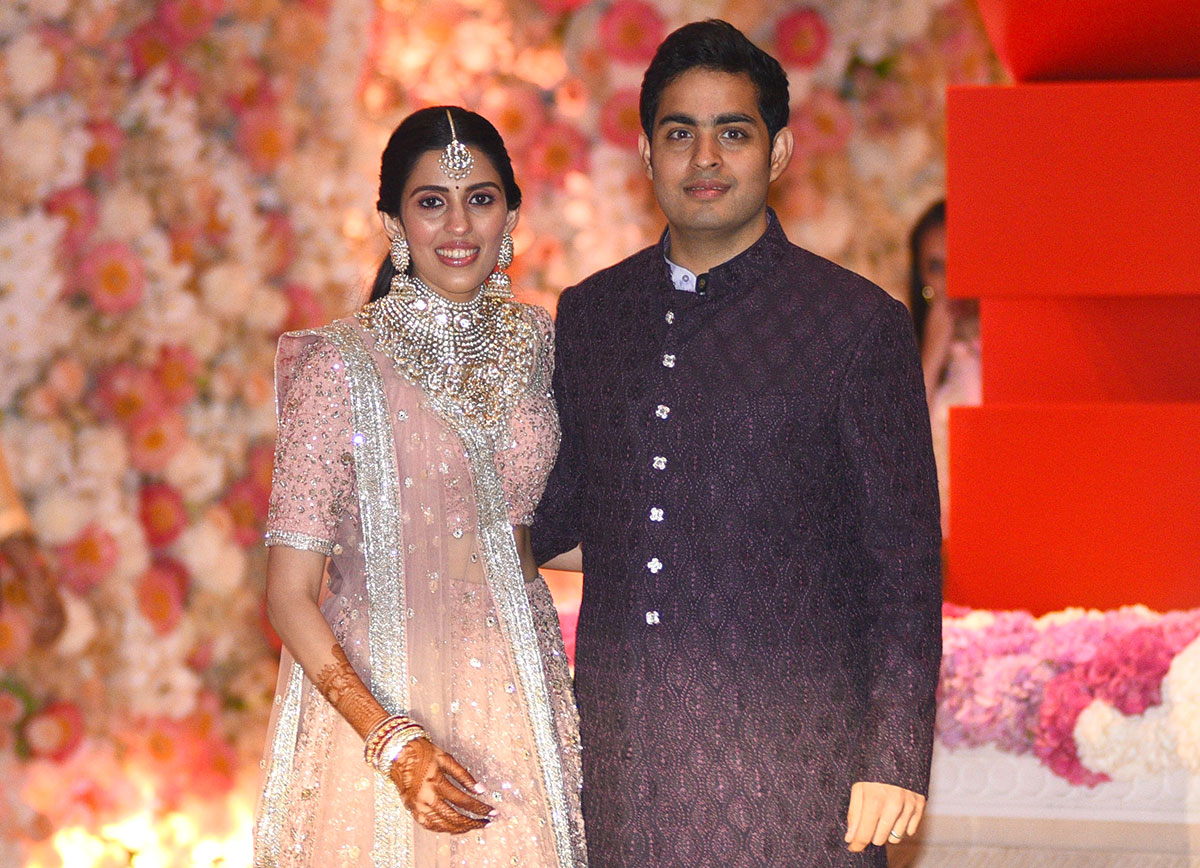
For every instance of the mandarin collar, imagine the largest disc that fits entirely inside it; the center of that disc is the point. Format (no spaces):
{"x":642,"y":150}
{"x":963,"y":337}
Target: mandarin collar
{"x":747,"y":268}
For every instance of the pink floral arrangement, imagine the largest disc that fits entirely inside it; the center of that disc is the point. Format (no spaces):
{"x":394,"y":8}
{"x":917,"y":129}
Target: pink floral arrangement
{"x":1021,"y":684}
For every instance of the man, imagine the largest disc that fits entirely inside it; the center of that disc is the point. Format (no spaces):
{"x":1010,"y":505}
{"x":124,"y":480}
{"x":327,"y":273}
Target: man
{"x":746,"y":462}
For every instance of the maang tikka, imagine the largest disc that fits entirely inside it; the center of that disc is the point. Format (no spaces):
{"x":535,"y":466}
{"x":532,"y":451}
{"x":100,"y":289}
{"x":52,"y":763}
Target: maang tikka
{"x":456,"y":162}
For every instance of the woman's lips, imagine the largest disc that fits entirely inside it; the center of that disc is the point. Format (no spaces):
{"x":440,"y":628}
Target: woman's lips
{"x":457,"y":257}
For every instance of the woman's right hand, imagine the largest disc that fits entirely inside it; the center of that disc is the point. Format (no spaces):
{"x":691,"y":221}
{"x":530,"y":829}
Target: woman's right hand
{"x":425,"y":776}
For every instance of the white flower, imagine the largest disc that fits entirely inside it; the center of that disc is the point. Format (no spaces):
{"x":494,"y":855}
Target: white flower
{"x":1181,"y":693}
{"x":80,"y":628}
{"x":1125,"y":747}
{"x":32,"y":67}
{"x":228,"y":289}
{"x":215,"y":562}
{"x":198,"y":474}
{"x":102,"y":456}
{"x":45,"y":150}
{"x":267,"y":311}
{"x":59,"y":515}
{"x":133,"y":554}
{"x":125,"y":214}
{"x":48,"y":10}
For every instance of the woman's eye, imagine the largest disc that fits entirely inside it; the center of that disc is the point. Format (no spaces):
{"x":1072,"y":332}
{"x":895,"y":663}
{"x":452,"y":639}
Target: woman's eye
{"x":483,"y":199}
{"x":430,"y":202}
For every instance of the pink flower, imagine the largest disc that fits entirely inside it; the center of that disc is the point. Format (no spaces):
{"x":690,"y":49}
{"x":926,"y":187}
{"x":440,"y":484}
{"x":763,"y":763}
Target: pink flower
{"x":1128,"y":672}
{"x":801,"y":38}
{"x":13,"y":704}
{"x":186,"y":21}
{"x":55,"y":731}
{"x":154,"y":440}
{"x":822,"y":125}
{"x":148,"y":46}
{"x":175,"y":374}
{"x":631,"y":30}
{"x":305,"y":310}
{"x":87,"y":560}
{"x":263,"y":138}
{"x":519,"y":112}
{"x":260,"y":465}
{"x":162,"y":513}
{"x":161,"y":593}
{"x":87,"y":788}
{"x":620,"y":121}
{"x":107,"y":141}
{"x":278,"y":244}
{"x":127,"y":394}
{"x":560,"y":149}
{"x":568,"y":620}
{"x":1063,"y":700}
{"x":561,"y":6}
{"x":247,"y":505}
{"x":213,"y":768}
{"x":77,"y":206}
{"x":16,"y":635}
{"x":112,"y":277}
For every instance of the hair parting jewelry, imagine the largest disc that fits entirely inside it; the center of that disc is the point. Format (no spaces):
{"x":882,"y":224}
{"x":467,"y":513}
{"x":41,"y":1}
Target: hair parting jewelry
{"x":456,"y":162}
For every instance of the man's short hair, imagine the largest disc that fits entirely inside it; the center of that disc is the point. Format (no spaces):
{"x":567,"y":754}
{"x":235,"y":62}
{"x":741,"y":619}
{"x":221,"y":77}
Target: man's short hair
{"x":718,"y":46}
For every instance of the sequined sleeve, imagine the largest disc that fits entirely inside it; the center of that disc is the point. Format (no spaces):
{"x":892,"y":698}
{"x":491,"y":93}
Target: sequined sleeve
{"x":313,"y":476}
{"x":525,"y":460}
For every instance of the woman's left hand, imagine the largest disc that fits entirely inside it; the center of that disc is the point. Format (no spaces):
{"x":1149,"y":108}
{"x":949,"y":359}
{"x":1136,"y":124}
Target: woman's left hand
{"x":425,"y":776}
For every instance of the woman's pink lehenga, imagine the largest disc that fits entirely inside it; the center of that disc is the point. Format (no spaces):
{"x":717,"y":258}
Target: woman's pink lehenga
{"x":414,"y":508}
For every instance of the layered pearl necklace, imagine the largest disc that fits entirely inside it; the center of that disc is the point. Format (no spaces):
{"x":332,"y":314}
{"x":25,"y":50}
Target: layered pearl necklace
{"x":474,"y":357}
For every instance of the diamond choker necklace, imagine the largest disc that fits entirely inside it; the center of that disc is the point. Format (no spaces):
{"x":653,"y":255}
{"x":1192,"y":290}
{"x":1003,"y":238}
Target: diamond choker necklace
{"x":473,"y":357}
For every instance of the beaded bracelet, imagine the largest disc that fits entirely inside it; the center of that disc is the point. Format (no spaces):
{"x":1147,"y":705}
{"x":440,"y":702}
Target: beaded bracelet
{"x":387,"y":738}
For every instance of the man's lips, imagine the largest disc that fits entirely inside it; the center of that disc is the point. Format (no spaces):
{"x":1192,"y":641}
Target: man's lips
{"x":706,"y":189}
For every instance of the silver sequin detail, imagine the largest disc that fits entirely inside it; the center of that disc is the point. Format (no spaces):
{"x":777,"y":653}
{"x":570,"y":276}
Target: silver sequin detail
{"x":296,"y":540}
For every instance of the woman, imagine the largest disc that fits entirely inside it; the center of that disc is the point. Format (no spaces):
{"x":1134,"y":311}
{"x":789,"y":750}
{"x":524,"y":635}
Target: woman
{"x":423,"y":687}
{"x":948,"y":336}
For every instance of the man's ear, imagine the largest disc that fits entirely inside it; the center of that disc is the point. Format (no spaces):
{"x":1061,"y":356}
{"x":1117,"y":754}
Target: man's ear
{"x":781,"y":151}
{"x":391,"y":224}
{"x":644,"y":150}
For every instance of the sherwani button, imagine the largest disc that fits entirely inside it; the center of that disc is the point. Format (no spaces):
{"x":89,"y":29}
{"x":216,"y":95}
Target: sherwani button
{"x":660,"y":462}
{"x":652,"y":617}
{"x":662,"y":411}
{"x":654,"y":565}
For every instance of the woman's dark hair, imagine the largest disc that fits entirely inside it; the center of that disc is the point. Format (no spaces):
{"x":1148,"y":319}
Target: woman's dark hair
{"x":719,"y":46}
{"x":425,"y":130}
{"x":934,"y":216}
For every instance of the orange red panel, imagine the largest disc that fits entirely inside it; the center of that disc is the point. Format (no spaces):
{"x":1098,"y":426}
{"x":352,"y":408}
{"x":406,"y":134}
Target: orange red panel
{"x":1080,"y":189}
{"x":1094,"y":505}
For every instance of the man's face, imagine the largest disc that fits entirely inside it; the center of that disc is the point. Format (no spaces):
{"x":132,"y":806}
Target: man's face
{"x":709,"y":155}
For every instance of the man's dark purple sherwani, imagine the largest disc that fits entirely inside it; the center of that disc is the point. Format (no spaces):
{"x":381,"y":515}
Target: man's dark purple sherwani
{"x":750,"y":473}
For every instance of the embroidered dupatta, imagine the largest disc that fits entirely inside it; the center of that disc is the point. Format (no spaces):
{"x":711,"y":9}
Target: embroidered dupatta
{"x":427,"y":597}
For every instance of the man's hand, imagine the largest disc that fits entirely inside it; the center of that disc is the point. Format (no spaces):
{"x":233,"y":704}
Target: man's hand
{"x":424,"y":773}
{"x":881,"y":813}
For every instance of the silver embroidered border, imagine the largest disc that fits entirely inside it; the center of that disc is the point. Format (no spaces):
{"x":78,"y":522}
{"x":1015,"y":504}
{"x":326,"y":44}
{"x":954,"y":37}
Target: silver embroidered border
{"x":296,"y":540}
{"x":507,"y":583}
{"x":379,"y":512}
{"x":279,"y":773}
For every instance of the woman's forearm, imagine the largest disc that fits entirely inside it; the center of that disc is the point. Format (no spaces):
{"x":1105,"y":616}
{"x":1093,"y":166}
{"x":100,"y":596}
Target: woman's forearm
{"x":293,"y":585}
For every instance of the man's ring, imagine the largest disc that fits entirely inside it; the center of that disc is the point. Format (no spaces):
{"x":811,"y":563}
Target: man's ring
{"x":892,"y":836}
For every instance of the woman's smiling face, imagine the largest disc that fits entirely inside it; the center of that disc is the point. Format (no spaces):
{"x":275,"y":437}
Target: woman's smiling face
{"x":454,"y":228}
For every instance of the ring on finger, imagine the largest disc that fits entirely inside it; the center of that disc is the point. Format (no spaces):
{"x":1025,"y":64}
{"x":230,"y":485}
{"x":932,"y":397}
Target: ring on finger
{"x":895,"y":836}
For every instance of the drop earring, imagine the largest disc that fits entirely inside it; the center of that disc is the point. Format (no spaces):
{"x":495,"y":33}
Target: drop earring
{"x":499,"y":284}
{"x":399,"y":254}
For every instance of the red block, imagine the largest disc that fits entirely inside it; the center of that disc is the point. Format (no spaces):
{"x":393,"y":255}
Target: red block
{"x":1040,"y":40}
{"x":1074,"y":505}
{"x":1074,"y":190}
{"x":1091,"y":349}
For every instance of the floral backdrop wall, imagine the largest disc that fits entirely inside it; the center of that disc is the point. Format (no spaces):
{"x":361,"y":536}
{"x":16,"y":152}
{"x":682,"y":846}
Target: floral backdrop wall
{"x":181,"y":181}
